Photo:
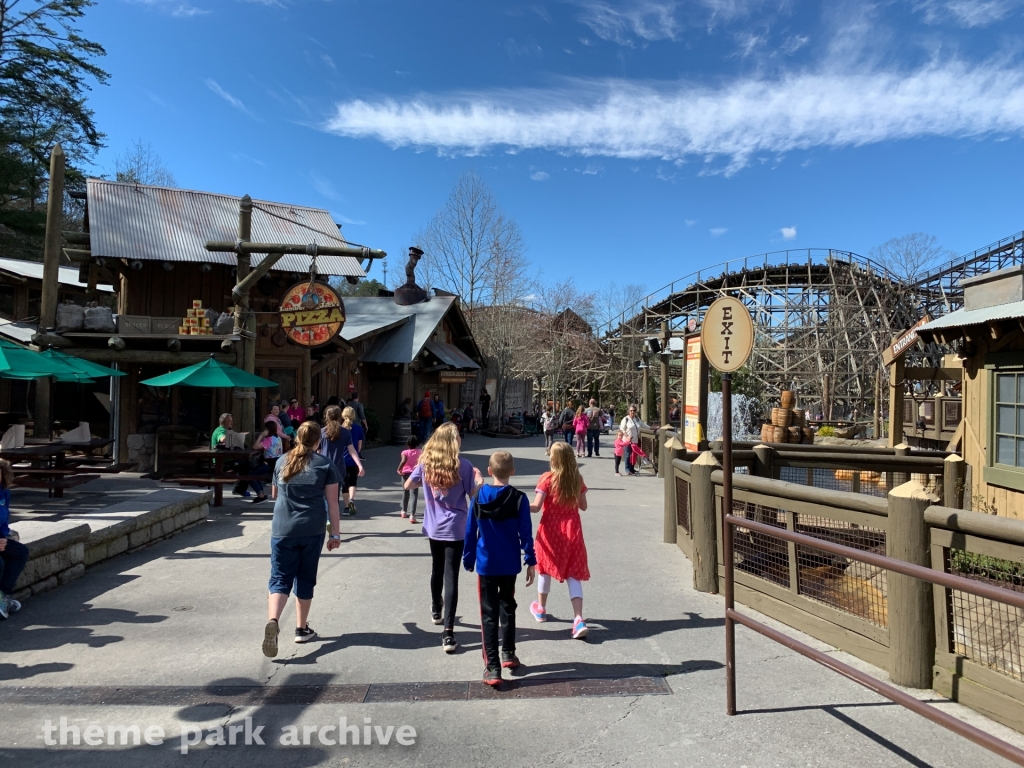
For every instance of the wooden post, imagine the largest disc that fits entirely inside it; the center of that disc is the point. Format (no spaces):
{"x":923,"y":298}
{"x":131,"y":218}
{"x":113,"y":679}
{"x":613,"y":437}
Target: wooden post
{"x":911,"y":605}
{"x":703,"y":523}
{"x":953,"y":482}
{"x":307,"y":378}
{"x":670,"y":529}
{"x":877,"y":425}
{"x":764,"y":464}
{"x":664,"y":358}
{"x":245,"y":324}
{"x":51,"y":286}
{"x":899,"y":478}
{"x":826,"y":397}
{"x":896,"y":371}
{"x":664,"y":434}
{"x":645,"y":405}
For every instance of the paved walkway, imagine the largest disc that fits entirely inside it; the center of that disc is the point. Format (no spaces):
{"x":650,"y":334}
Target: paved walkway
{"x":170,"y":637}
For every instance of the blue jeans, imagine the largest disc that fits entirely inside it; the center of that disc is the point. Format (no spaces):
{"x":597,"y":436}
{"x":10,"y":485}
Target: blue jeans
{"x":293,"y":564}
{"x":12,"y":563}
{"x":568,"y":435}
{"x":627,"y":454}
{"x":424,"y":429}
{"x":594,"y":442}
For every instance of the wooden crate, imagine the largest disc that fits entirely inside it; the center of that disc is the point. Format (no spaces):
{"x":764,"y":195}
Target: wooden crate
{"x":164,"y":325}
{"x":133,"y":325}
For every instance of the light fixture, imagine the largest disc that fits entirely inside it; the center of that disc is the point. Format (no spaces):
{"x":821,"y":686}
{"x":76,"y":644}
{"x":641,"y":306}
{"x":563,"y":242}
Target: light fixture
{"x":168,"y":266}
{"x":136,"y":265}
{"x":205,"y":268}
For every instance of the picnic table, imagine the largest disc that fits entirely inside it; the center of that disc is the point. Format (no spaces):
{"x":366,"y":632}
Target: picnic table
{"x":48,"y":467}
{"x":219,"y":458}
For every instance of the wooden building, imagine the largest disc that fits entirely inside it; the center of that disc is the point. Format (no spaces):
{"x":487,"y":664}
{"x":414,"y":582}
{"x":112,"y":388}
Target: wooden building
{"x":150,"y":242}
{"x":989,"y":331}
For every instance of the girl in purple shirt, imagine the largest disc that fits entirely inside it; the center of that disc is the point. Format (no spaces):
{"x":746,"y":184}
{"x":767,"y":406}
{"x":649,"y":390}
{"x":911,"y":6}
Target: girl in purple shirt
{"x":449,"y":482}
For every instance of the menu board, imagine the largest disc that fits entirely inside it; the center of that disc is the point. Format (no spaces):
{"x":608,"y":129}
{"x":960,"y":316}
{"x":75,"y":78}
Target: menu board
{"x":691,"y":407}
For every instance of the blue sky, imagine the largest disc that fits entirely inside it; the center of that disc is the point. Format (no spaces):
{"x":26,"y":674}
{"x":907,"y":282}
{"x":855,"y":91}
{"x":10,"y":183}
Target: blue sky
{"x":634,"y":142}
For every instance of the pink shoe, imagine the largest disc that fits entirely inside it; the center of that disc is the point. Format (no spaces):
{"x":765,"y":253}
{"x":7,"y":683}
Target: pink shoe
{"x":579,"y":630}
{"x":538,"y":612}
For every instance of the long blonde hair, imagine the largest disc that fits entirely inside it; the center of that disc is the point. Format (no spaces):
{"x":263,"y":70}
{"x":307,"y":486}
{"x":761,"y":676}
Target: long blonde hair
{"x":348,"y":416}
{"x":307,"y":439}
{"x":440,"y":458}
{"x":332,"y":422}
{"x":565,"y":475}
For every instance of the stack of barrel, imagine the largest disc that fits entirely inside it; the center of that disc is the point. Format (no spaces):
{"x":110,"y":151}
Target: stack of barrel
{"x":789,"y":424}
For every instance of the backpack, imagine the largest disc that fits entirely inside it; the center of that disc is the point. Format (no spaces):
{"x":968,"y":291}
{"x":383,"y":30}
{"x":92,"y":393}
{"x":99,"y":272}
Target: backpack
{"x":594,"y":417}
{"x":568,"y":417}
{"x":426,"y":409}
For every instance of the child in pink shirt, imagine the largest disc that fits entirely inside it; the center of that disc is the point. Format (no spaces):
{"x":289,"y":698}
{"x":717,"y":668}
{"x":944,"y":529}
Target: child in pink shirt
{"x":410,"y":458}
{"x":581,"y":424}
{"x":620,"y":443}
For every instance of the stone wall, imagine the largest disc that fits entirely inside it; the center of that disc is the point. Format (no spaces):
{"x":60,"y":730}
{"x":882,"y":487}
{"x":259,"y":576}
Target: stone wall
{"x":142,"y":451}
{"x":59,"y":552}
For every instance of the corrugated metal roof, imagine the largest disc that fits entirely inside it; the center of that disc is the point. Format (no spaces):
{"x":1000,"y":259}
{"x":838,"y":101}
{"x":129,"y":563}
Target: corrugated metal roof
{"x":404,"y":343}
{"x":360,"y":326}
{"x":453,"y":356}
{"x":19,"y":332}
{"x":136,"y":221}
{"x":34,"y":270}
{"x":963,"y":318}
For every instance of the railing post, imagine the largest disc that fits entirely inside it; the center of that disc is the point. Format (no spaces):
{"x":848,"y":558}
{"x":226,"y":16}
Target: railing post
{"x":671,"y":523}
{"x":911,"y":607}
{"x":664,"y":434}
{"x":703,"y":523}
{"x":899,"y":478}
{"x":764,"y":464}
{"x":953,"y":482}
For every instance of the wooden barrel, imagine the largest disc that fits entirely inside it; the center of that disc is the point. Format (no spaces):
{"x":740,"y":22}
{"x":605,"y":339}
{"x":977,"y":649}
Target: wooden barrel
{"x":796,"y":435}
{"x":798,"y":418}
{"x":782,"y":417}
{"x":767,"y":433}
{"x":808,"y":435}
{"x":400,"y":431}
{"x":788,"y":399}
{"x":779,"y":434}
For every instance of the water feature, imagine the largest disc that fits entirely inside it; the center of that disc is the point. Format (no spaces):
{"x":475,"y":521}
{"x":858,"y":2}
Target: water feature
{"x":746,"y":417}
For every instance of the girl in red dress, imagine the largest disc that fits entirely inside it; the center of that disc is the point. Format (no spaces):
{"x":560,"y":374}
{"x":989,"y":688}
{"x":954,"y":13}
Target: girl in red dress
{"x":561,"y":552}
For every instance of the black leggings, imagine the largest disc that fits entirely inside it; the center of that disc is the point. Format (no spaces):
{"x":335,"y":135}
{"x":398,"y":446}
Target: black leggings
{"x":446,"y":561}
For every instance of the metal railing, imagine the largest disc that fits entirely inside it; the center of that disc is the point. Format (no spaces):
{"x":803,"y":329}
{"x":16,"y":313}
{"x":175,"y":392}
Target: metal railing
{"x":980,"y":589}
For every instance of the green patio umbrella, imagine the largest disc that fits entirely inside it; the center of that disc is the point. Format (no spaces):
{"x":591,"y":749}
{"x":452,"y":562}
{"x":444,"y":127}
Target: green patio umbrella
{"x":82,"y":367}
{"x":209,"y":373}
{"x":20,"y":363}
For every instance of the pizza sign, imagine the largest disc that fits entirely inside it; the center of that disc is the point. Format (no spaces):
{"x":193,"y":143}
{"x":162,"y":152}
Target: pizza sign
{"x":312,"y":317}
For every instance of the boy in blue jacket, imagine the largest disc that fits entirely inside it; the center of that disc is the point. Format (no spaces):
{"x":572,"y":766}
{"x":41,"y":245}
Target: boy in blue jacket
{"x":13,"y":554}
{"x":497,"y":528}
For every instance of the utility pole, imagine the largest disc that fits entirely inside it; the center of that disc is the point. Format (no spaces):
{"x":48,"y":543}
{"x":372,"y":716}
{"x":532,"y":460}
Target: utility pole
{"x":245,"y":323}
{"x":665,"y":359}
{"x":42,"y":418}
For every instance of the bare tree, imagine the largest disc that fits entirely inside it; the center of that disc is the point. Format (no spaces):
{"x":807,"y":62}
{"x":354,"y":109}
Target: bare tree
{"x":908,"y":257}
{"x":563,"y":348}
{"x":619,"y":303}
{"x":140,"y":164}
{"x":469,"y":241}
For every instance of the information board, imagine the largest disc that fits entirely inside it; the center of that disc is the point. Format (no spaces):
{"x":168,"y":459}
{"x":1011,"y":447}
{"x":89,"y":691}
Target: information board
{"x":692,"y":430}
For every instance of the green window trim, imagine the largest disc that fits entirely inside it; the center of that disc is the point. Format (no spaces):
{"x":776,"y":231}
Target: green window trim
{"x":1005,"y":477}
{"x":1005,"y":421}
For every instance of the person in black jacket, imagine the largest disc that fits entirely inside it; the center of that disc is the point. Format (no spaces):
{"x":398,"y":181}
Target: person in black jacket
{"x":497,"y":528}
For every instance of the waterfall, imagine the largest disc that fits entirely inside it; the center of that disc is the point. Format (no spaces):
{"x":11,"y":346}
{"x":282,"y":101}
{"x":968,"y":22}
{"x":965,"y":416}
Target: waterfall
{"x":744,"y":417}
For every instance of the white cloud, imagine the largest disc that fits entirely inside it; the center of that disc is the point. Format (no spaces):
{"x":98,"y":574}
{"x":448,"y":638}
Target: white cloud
{"x":353,"y":222}
{"x":793,"y":44}
{"x":327,"y":60}
{"x":689,"y":222}
{"x":645,"y":19}
{"x":718,"y":231}
{"x":626,"y":119}
{"x":324,"y":187}
{"x":788,"y":233}
{"x":966,"y":13}
{"x":186,"y":11}
{"x":540,"y":175}
{"x":214,"y":86}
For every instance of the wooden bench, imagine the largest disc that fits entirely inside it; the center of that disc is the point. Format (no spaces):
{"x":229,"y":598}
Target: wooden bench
{"x":217,"y":483}
{"x":56,"y":487}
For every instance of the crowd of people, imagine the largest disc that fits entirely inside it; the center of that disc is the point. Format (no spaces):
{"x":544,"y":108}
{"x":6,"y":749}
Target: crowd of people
{"x":468,"y":523}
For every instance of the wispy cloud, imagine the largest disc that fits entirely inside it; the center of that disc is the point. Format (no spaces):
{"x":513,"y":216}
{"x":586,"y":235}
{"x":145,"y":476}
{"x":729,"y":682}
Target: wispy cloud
{"x":735,"y":121}
{"x":718,"y":231}
{"x":689,"y":222}
{"x":966,"y":13}
{"x":788,"y":233}
{"x":529,"y":48}
{"x":353,"y":222}
{"x":540,"y":175}
{"x":181,"y":10}
{"x":327,"y":60}
{"x":214,"y":86}
{"x":185,"y":11}
{"x":158,"y":101}
{"x":325,"y":187}
{"x":622,"y":22}
{"x":534,"y":8}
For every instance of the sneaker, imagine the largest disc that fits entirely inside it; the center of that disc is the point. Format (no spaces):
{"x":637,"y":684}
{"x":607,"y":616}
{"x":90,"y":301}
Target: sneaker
{"x":435,"y":617}
{"x":579,"y":630}
{"x":4,"y":612}
{"x":618,"y":474}
{"x":538,"y":612}
{"x":270,"y":633}
{"x":492,"y":676}
{"x":449,"y":643}
{"x":304,"y":634}
{"x":402,"y":514}
{"x":352,"y":509}
{"x":509,"y":660}
{"x":258,"y":499}
{"x":13,"y":606}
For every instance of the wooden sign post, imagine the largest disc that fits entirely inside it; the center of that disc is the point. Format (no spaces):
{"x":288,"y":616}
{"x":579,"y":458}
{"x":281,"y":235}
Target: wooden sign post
{"x":727,"y":337}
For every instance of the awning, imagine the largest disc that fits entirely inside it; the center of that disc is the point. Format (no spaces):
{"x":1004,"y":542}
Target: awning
{"x":964,"y":318}
{"x":450,"y":355}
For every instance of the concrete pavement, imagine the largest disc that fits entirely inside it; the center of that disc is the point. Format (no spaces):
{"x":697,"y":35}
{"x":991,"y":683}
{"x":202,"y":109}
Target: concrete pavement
{"x":170,"y":637}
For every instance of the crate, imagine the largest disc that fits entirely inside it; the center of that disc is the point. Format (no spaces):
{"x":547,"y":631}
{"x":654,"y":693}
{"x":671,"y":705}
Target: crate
{"x":164,"y":325}
{"x":133,"y":325}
